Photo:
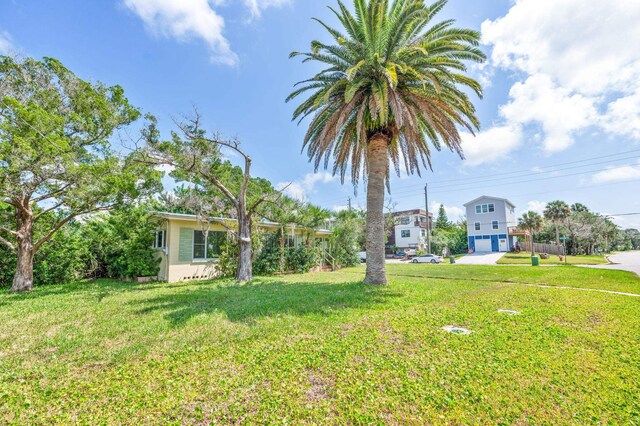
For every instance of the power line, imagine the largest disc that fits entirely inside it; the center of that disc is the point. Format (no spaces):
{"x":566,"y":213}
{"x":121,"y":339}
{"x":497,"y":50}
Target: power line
{"x":488,"y":178}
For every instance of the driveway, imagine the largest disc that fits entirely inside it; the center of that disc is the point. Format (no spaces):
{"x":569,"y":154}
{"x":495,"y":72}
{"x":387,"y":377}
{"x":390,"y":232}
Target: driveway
{"x":480,"y":259}
{"x":626,"y":261}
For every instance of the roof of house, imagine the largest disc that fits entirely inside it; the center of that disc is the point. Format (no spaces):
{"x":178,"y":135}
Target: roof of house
{"x":194,"y":218}
{"x":415,"y":211}
{"x":492,"y":198}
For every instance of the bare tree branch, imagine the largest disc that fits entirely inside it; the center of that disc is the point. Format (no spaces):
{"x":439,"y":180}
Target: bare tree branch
{"x":8,"y":244}
{"x":52,"y":194}
{"x":8,"y":231}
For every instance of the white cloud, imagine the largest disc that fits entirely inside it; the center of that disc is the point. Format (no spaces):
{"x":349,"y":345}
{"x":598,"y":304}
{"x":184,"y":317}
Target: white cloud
{"x":617,"y":174}
{"x":556,"y":109}
{"x":454,"y":213}
{"x":186,"y":20}
{"x":490,"y":145}
{"x":584,"y":46}
{"x":576,"y":59}
{"x":536,"y":206}
{"x":623,"y":116}
{"x":301,"y":189}
{"x":257,"y":6}
{"x":5,"y":42}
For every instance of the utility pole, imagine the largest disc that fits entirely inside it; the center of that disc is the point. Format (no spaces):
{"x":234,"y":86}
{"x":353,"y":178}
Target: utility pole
{"x":426,"y":202}
{"x":349,"y":203}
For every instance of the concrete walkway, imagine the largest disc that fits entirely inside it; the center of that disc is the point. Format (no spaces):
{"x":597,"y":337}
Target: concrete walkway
{"x":480,"y":259}
{"x":625,"y":261}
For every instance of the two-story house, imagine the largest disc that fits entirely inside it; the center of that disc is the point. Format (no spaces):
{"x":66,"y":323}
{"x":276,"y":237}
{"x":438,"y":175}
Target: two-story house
{"x":410,"y":229}
{"x":491,"y":223}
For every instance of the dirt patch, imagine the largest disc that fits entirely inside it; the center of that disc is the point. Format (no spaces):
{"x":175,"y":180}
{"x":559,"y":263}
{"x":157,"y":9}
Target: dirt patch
{"x":320,"y":386}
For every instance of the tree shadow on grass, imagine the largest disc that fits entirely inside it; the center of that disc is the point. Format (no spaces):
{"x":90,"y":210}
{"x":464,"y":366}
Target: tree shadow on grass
{"x":247,"y":303}
{"x":98,"y":289}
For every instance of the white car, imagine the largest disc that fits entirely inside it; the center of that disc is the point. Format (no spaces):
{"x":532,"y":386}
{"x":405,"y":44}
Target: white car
{"x":363,"y":256}
{"x":427,"y":258}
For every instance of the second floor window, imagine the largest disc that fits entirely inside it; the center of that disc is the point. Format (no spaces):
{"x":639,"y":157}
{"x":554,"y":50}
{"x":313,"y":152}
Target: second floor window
{"x":405,"y":233}
{"x":405,"y":220}
{"x":485,"y":208}
{"x":477,"y":226}
{"x":494,"y":224}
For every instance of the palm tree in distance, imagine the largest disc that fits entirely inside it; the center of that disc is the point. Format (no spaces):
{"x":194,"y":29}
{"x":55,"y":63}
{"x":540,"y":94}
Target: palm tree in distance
{"x":532,"y":222}
{"x":557,"y":212}
{"x":392,"y":88}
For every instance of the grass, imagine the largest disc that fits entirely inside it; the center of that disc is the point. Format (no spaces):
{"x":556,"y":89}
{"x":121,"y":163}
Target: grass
{"x":525,"y":259}
{"x":322,"y":348}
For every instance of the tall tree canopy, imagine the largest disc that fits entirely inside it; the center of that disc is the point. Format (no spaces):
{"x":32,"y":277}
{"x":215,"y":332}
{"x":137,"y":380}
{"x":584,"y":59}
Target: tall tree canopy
{"x":557,"y":212}
{"x":55,"y":154}
{"x":223,"y":189}
{"x":532,"y":222}
{"x":392,"y":87}
{"x":442,"y":222}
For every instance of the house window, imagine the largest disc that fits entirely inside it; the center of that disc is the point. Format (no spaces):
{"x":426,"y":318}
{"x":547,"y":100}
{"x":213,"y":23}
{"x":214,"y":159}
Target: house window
{"x":494,"y":224}
{"x":405,"y":220}
{"x":406,"y":233}
{"x":207,"y":246}
{"x":485,"y":208}
{"x":160,"y":241}
{"x":423,"y":232}
{"x":477,"y":226}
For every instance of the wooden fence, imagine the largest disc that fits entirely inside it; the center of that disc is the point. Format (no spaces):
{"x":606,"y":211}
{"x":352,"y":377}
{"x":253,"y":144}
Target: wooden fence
{"x":543,"y":248}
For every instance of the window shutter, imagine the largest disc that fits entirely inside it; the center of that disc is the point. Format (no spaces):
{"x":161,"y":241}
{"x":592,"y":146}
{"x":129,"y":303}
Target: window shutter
{"x":185,"y":250}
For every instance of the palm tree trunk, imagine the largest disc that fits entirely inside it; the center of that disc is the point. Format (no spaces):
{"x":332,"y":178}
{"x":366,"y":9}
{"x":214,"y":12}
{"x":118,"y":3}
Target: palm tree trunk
{"x":533,"y":253}
{"x":377,"y":160}
{"x":557,"y":234}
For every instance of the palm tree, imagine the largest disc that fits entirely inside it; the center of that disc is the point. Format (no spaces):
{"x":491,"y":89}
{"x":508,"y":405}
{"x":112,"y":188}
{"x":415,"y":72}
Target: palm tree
{"x":532,"y":222}
{"x":392,"y":85}
{"x":557,"y":212}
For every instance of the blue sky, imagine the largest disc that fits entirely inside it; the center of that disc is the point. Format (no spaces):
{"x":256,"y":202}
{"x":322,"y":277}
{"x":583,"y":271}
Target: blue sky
{"x":560,"y":117}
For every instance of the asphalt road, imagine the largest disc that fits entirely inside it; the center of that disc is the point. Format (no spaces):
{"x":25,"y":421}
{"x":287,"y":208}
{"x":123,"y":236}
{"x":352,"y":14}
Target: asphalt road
{"x":626,"y":261}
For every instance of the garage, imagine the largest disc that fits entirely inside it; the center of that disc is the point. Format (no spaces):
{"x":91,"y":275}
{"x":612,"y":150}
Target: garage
{"x":483,"y":245}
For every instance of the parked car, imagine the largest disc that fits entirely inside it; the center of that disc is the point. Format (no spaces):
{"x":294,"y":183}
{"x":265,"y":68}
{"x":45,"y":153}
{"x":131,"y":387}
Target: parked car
{"x":427,"y":258}
{"x":363,"y":256}
{"x":399,"y":255}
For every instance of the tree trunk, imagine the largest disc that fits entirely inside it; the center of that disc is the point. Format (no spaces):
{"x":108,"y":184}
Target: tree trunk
{"x":23,"y":278}
{"x":281,"y":262}
{"x":377,"y":160}
{"x":557,"y":234}
{"x":533,"y":252}
{"x":245,"y":269}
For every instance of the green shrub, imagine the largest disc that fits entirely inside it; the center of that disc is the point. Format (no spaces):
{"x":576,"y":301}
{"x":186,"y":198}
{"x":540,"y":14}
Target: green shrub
{"x":267,"y":261}
{"x":121,"y":244}
{"x":62,"y":259}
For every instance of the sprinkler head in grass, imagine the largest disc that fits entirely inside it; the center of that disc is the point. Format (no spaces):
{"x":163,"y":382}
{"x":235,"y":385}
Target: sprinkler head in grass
{"x":506,"y":311}
{"x":456,"y":330}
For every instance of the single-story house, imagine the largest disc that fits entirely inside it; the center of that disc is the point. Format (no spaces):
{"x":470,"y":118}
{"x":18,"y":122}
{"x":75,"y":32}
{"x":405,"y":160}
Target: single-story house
{"x":186,"y":253}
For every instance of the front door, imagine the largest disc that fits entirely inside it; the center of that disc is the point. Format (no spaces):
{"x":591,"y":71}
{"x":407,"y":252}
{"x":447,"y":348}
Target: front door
{"x":494,"y":243}
{"x":503,"y":244}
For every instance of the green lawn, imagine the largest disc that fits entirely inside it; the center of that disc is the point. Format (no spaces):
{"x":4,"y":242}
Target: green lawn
{"x":324,"y":349}
{"x":525,"y":259}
